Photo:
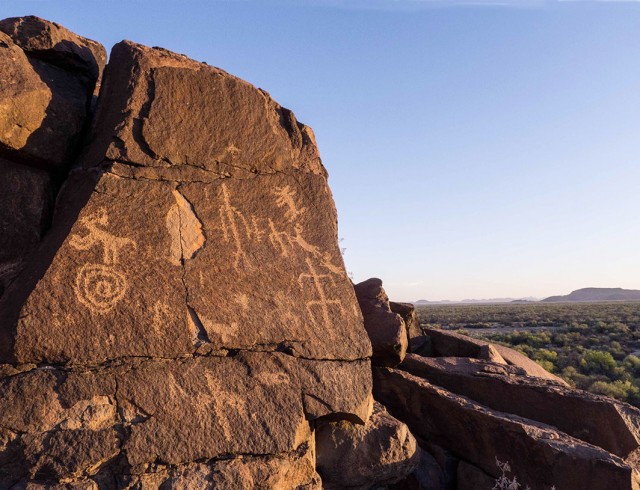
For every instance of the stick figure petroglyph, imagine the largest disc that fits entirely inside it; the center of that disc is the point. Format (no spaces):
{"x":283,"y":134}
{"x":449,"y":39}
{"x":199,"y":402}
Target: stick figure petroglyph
{"x":99,"y":287}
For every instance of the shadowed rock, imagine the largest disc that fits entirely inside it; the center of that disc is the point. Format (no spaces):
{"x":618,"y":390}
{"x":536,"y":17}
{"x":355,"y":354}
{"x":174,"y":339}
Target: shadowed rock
{"x":26,"y":202}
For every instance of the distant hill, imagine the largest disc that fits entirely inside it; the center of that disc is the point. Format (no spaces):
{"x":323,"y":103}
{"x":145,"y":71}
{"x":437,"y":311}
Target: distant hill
{"x":475,"y":301}
{"x":597,"y":294}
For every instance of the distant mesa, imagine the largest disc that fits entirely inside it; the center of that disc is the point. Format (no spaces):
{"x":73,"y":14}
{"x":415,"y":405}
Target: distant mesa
{"x":597,"y":294}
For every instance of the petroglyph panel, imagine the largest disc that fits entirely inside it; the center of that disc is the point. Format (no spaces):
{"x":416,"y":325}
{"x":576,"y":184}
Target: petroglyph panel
{"x":110,"y":295}
{"x":271,"y":272}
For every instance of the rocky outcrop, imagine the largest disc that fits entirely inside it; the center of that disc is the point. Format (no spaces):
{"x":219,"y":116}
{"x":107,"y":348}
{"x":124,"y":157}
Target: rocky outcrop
{"x":381,"y":452}
{"x":539,"y":454}
{"x":386,"y":329}
{"x":187,"y":320}
{"x":595,"y":419}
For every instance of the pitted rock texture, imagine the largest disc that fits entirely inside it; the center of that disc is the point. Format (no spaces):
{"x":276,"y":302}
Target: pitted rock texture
{"x":187,"y":319}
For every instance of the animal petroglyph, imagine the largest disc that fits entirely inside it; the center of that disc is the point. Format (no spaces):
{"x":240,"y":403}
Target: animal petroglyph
{"x":323,"y":303}
{"x":286,"y":242}
{"x":239,"y":230}
{"x":285,"y":197}
{"x":99,"y":237}
{"x":100,"y":287}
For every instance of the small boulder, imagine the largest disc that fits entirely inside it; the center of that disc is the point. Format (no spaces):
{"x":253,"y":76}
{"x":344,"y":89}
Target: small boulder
{"x":386,"y":329}
{"x":381,"y":452}
{"x":408,"y":313}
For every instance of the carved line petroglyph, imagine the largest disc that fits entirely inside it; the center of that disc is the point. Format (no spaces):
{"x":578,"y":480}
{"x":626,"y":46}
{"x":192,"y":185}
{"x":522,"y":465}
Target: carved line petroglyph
{"x":111,"y":244}
{"x":323,"y":302}
{"x":238,"y":230}
{"x":224,"y":404}
{"x":235,"y":226}
{"x":99,"y":287}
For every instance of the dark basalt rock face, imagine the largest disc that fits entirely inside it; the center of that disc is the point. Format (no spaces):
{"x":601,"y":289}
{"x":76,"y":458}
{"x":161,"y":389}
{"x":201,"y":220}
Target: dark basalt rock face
{"x":186,"y":318}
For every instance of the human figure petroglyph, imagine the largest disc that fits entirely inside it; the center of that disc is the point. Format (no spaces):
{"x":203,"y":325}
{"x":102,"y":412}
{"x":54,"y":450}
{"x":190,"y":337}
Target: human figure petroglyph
{"x":96,"y":236}
{"x":285,"y":197}
{"x":235,"y":227}
{"x":100,"y":286}
{"x":323,"y":303}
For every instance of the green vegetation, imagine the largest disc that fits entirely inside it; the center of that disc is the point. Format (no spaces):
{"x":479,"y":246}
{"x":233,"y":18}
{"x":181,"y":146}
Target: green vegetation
{"x":593,"y":346}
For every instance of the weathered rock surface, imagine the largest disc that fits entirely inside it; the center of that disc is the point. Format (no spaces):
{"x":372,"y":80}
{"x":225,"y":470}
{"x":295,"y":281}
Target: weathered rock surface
{"x":599,"y":420}
{"x":187,"y":319}
{"x":539,"y":454}
{"x":386,"y":329}
{"x":451,"y":344}
{"x":144,"y":85}
{"x":44,"y":97}
{"x":381,"y":452}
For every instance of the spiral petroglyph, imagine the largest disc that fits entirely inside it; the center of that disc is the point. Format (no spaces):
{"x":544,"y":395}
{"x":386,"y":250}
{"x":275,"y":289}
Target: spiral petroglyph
{"x":99,"y":287}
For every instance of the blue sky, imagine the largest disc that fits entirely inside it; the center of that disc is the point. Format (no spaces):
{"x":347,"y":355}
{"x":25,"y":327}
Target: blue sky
{"x":475,"y":149}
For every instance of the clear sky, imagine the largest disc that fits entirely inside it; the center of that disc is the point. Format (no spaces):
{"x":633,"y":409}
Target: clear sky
{"x":476,"y":149}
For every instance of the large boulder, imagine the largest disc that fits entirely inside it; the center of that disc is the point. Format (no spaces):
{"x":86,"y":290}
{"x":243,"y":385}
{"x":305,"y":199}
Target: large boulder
{"x":386,"y":329}
{"x":540,"y":455}
{"x":50,"y":76}
{"x":601,"y":421}
{"x":189,"y":303}
{"x":451,"y":344}
{"x":381,"y":452}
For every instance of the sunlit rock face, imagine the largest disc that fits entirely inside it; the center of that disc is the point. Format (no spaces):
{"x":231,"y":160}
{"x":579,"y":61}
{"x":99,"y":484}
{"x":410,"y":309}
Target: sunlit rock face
{"x":187,"y":316}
